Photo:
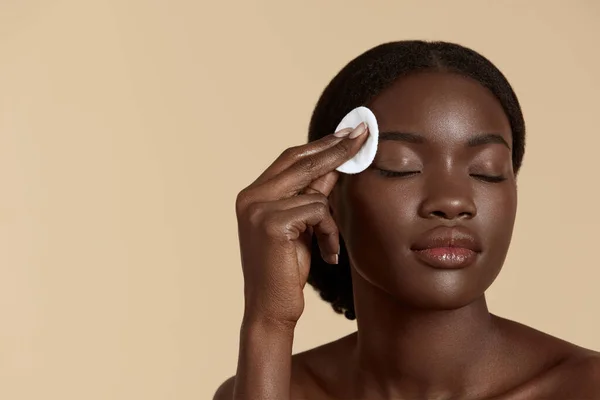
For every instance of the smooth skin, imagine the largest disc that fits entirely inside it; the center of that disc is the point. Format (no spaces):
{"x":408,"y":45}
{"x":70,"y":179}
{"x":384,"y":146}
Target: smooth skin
{"x":444,"y":159}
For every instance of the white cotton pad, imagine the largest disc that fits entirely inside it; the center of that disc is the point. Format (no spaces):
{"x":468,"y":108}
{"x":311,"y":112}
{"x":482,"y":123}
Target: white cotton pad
{"x":366,"y":154}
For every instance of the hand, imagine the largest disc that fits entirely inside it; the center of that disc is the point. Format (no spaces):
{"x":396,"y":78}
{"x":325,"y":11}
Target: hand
{"x":277,"y":216}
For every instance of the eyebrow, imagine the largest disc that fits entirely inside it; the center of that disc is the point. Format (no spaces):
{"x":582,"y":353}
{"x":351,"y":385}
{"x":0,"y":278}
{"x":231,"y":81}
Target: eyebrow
{"x":488,"y":138}
{"x":401,"y":136}
{"x":479,"y":140}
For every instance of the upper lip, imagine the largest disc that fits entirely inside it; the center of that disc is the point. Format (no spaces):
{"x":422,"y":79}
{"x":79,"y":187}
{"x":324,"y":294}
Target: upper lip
{"x":444,"y":236}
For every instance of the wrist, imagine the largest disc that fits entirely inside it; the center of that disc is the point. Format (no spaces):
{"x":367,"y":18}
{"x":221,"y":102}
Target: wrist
{"x":266,"y":323}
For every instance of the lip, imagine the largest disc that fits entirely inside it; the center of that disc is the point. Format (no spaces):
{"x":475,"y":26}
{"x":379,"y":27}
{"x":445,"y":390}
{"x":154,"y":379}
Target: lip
{"x":447,"y":247}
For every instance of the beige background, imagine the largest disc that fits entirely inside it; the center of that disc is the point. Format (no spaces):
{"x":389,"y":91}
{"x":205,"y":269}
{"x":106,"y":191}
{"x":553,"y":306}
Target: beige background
{"x":128,"y":127}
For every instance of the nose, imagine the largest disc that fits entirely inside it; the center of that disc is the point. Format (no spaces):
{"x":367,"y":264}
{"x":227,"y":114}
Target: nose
{"x":448,"y":199}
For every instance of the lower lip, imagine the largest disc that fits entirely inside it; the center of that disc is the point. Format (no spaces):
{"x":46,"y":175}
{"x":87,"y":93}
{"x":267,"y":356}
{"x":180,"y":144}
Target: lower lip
{"x":447,"y":257}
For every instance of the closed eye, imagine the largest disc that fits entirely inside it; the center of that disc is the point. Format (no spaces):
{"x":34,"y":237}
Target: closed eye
{"x":489,"y":178}
{"x":402,"y":174}
{"x":396,"y":174}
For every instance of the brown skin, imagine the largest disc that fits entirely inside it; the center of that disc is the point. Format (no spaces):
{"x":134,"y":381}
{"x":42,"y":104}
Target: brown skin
{"x":423,"y":333}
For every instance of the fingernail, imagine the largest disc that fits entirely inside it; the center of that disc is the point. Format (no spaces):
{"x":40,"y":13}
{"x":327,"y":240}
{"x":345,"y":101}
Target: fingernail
{"x":336,"y":259}
{"x":359,"y":130}
{"x":343,"y":132}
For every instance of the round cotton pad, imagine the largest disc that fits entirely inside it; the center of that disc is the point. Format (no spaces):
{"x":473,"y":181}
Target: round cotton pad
{"x":366,"y":154}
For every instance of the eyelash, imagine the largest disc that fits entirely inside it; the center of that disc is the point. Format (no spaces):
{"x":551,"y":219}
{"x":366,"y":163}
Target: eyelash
{"x":397,"y":174}
{"x":489,"y":178}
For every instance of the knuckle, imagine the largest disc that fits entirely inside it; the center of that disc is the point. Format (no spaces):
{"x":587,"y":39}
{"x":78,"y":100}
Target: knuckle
{"x":291,"y":153}
{"x":254,"y":213}
{"x":321,"y":198}
{"x":242,"y":200}
{"x":306,"y":165}
{"x":342,"y":148}
{"x":321,"y":209}
{"x":271,"y":226}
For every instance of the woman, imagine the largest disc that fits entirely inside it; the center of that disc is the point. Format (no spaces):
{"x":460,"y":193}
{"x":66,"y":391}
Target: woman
{"x":407,"y":247}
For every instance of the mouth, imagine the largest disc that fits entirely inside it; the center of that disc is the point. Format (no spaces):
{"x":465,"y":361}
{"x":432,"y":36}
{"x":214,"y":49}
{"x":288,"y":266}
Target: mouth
{"x":447,"y":248}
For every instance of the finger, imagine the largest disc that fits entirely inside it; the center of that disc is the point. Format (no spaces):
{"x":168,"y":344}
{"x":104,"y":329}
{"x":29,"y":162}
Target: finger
{"x":255,"y":209}
{"x":293,"y":154}
{"x":323,"y":185}
{"x":297,"y":177}
{"x":260,"y":209}
{"x":295,"y":221}
{"x":329,"y":242}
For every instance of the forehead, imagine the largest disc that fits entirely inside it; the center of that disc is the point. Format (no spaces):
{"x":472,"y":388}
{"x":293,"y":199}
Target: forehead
{"x":440,"y":104}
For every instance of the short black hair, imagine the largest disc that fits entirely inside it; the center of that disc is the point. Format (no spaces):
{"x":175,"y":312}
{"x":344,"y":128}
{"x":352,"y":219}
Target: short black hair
{"x":365,"y":77}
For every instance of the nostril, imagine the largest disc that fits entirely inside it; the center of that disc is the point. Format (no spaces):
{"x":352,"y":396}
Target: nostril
{"x":439,"y":214}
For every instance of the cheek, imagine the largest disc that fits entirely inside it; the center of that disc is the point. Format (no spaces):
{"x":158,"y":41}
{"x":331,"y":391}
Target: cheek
{"x":496,"y":212}
{"x":375,"y":224}
{"x":376,"y":214}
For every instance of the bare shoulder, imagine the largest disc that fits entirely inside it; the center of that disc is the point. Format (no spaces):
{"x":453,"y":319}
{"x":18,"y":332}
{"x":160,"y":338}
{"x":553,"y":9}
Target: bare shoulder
{"x":319,"y":373}
{"x":225,"y":390}
{"x":570,"y":372}
{"x":584,"y":374}
{"x":581,"y":375}
{"x":573,"y":378}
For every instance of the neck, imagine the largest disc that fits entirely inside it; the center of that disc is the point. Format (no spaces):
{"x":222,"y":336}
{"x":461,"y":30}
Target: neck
{"x":405,"y":351}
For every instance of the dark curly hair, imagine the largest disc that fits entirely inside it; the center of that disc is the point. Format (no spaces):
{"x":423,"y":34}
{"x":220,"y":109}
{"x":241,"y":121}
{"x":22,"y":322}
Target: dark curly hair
{"x":365,"y":77}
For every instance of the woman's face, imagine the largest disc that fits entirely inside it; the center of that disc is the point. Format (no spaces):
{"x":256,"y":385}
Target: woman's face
{"x":451,"y":189}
